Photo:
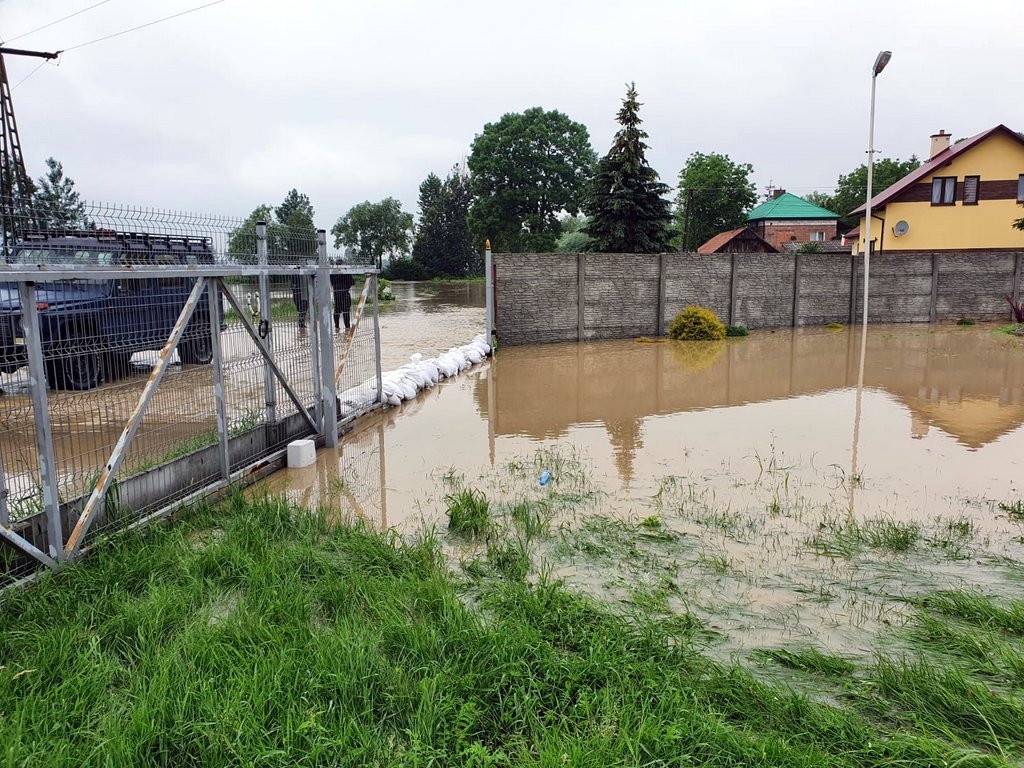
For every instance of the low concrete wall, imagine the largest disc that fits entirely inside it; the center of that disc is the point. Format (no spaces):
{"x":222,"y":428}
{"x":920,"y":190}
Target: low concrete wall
{"x":546,"y":297}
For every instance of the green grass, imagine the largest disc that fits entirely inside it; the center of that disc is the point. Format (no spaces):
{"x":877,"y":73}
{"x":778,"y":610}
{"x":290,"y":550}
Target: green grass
{"x":979,"y":610}
{"x":469,"y":512}
{"x":1010,"y":329}
{"x":848,"y":538}
{"x":809,"y":660}
{"x":288,"y":641}
{"x":1014,"y":510}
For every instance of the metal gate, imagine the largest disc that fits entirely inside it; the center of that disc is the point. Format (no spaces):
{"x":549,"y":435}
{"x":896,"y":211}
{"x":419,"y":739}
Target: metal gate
{"x":147,"y":366}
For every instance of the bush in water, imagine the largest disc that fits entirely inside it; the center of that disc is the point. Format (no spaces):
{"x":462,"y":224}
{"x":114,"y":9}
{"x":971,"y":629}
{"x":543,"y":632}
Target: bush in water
{"x":696,"y":324}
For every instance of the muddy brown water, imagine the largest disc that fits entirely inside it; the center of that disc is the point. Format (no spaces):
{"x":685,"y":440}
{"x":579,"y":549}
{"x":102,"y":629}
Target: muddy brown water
{"x":743,"y":448}
{"x":425,"y":317}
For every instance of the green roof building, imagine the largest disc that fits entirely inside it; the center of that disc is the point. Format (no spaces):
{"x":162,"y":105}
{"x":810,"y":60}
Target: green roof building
{"x":787,"y":218}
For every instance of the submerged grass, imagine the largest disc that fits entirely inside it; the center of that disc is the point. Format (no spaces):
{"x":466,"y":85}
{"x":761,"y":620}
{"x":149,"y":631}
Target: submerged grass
{"x":286,"y":640}
{"x":469,"y":512}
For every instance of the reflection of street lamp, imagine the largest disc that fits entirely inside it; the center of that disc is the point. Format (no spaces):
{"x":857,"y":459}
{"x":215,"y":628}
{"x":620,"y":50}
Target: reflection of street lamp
{"x":880,"y":61}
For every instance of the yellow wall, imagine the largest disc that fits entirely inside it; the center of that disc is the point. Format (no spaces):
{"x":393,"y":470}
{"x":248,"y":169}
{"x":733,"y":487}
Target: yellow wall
{"x":936,"y":227}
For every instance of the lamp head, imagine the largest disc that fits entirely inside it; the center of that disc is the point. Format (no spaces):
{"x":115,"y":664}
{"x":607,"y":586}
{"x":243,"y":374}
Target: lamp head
{"x":881,"y":61}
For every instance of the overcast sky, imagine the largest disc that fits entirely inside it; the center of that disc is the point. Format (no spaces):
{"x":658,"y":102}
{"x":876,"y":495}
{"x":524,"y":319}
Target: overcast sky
{"x":231,"y":106}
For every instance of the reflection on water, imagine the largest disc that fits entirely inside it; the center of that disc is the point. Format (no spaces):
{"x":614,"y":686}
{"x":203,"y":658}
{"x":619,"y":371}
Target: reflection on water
{"x":754,"y":437}
{"x":942,"y":410}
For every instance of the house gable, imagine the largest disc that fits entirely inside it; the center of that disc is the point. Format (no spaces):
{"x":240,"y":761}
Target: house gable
{"x":993,"y":161}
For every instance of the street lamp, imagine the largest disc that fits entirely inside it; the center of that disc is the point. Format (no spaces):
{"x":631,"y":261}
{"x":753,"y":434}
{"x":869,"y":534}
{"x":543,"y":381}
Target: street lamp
{"x":880,"y":61}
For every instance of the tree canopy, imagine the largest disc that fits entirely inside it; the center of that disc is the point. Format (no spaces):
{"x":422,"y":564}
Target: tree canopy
{"x":291,"y":233}
{"x":714,"y":196}
{"x":443,"y":244}
{"x":526,"y":169}
{"x":852,"y":189}
{"x":627,"y":209}
{"x":375,"y":230}
{"x":55,"y":202}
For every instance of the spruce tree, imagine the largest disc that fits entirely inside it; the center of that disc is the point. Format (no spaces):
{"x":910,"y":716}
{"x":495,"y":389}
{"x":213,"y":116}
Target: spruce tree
{"x":57,"y":204}
{"x":628,"y":213}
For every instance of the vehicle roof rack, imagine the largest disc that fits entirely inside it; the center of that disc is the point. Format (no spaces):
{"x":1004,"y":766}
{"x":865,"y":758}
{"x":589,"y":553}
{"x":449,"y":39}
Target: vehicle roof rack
{"x":128,"y":239}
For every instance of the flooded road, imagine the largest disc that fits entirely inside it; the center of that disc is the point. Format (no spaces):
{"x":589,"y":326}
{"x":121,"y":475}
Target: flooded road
{"x":743,"y":449}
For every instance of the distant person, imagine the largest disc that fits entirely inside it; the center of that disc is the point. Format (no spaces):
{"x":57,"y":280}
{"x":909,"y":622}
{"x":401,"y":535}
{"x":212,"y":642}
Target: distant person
{"x":340,"y":285}
{"x":301,"y":299}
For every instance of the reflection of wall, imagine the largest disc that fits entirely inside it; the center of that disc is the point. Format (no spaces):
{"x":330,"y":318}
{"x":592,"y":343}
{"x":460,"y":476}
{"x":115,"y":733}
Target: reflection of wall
{"x":540,"y":295}
{"x":957,"y":381}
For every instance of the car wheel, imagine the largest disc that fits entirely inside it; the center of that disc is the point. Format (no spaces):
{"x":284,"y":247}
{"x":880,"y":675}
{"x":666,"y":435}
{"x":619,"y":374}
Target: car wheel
{"x":76,"y":372}
{"x":197,"y":350}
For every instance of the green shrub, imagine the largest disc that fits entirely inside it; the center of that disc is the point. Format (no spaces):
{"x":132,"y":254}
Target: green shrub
{"x":696,"y":324}
{"x":405,"y":269}
{"x":965,"y":321}
{"x":834,"y":326}
{"x":736,"y":330}
{"x":384,"y":292}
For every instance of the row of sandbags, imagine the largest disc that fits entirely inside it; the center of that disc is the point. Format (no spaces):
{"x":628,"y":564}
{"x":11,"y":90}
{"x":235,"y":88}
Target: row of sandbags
{"x":404,"y":383}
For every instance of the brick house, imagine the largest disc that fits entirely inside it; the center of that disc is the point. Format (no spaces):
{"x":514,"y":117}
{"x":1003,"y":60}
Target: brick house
{"x":786,"y":218}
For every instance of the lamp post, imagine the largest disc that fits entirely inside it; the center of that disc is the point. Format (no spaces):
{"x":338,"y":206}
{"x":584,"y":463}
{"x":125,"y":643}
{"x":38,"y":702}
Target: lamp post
{"x":880,"y":61}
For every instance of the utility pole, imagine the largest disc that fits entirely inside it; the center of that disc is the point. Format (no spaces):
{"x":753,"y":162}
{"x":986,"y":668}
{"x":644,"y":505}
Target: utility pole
{"x":15,"y":185}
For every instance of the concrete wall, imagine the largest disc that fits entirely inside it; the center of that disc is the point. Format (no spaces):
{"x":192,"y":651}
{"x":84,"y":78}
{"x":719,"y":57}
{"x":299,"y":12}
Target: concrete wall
{"x":548,"y":297}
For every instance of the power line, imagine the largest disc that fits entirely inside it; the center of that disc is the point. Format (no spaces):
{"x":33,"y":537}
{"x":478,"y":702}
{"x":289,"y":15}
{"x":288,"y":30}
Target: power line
{"x":58,"y":21}
{"x":26,"y":77}
{"x":142,"y":26}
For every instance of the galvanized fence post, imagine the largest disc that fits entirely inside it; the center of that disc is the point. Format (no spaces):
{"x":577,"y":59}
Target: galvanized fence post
{"x":328,"y":393}
{"x":376,"y":341}
{"x":41,"y":413}
{"x":489,"y":278}
{"x":265,"y":328}
{"x":218,"y":379}
{"x":5,"y":517}
{"x":314,"y":350}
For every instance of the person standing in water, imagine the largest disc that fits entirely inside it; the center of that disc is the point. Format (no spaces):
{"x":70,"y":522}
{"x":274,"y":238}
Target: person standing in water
{"x":340,"y":285}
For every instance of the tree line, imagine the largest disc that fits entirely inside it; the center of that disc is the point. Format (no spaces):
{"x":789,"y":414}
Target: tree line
{"x":532,"y":182}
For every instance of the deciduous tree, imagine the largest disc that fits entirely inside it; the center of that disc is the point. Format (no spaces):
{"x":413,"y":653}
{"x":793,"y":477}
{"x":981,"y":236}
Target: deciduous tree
{"x":851,"y":189}
{"x":526,"y":169}
{"x":443,"y":243}
{"x":714,"y":195}
{"x":375,"y":230}
{"x":628,"y":213}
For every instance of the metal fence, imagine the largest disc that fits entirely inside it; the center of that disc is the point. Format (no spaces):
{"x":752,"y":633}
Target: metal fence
{"x":151,"y":358}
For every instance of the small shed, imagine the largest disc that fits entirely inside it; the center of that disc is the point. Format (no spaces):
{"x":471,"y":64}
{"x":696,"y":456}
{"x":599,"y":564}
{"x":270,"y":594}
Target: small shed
{"x":742,"y":240}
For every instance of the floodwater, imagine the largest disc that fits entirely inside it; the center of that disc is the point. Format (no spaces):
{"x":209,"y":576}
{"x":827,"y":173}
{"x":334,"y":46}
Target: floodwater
{"x":425,"y":317}
{"x":744,"y":449}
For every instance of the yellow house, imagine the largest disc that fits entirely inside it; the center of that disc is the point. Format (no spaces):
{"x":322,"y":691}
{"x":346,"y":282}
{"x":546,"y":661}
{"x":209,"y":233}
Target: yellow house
{"x":966,"y":197}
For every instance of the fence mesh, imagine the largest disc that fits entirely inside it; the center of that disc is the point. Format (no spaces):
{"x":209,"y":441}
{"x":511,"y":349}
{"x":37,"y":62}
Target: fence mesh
{"x":100,"y":335}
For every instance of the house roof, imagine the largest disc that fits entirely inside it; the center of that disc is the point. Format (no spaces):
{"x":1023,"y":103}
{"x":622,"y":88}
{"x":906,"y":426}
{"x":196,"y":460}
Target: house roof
{"x":789,"y":206}
{"x":716,"y":243}
{"x":926,"y":169}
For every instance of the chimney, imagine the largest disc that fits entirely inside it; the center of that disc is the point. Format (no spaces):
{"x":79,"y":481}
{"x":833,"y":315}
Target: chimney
{"x":940,"y":143}
{"x":778,"y":193}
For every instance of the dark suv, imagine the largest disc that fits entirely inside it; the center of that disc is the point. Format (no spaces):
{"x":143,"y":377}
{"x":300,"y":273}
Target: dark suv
{"x":89,"y":327}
